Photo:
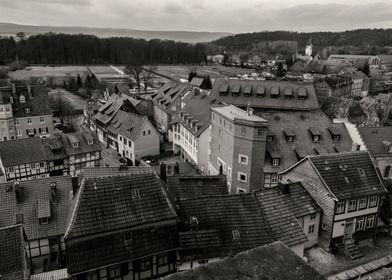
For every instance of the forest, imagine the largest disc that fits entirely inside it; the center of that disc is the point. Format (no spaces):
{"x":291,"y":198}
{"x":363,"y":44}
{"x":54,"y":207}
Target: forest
{"x":81,"y":49}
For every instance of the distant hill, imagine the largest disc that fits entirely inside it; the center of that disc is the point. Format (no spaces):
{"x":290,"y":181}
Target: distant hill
{"x":361,"y":39}
{"x":10,"y":29}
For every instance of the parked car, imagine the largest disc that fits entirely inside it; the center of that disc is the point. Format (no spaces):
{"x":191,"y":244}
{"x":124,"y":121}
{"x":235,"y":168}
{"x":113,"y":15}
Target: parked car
{"x":126,"y":161}
{"x":149,"y":159}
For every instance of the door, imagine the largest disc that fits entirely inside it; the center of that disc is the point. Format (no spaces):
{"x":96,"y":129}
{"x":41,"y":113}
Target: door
{"x":348,"y":230}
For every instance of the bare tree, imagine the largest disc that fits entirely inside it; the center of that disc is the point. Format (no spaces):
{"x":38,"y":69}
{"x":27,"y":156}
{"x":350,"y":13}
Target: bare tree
{"x":147,"y":76}
{"x":135,"y":71}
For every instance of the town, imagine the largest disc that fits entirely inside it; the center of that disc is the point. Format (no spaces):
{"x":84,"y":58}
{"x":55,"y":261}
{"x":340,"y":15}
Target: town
{"x":273,"y":162}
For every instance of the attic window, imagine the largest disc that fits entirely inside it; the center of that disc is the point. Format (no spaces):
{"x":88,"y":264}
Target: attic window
{"x":44,"y":221}
{"x":335,"y":133}
{"x":248,"y":90}
{"x":19,"y":218}
{"x":315,"y":133}
{"x":288,"y":92}
{"x":128,"y":237}
{"x":260,"y":92}
{"x":274,"y":92}
{"x":302,"y":93}
{"x":289,"y":134}
{"x":235,"y":91}
{"x":90,"y":141}
{"x":275,"y":162}
{"x":75,"y":144}
{"x":135,"y":193}
{"x":270,"y":137}
{"x":223,"y":90}
{"x":236,"y":234}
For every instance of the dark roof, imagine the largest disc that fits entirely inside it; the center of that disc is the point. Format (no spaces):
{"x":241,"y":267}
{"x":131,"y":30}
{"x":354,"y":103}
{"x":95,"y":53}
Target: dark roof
{"x":225,"y":214}
{"x":197,"y":82}
{"x":35,"y":191}
{"x":298,"y":123}
{"x":13,"y":262}
{"x":273,"y":261}
{"x":110,"y":203}
{"x":169,"y":92}
{"x":281,"y":212}
{"x":271,"y":88}
{"x":82,"y":138}
{"x":196,"y":239}
{"x":184,"y":187}
{"x":54,"y":148}
{"x":375,"y":139}
{"x":127,"y":124}
{"x":348,"y":174}
{"x":21,"y":151}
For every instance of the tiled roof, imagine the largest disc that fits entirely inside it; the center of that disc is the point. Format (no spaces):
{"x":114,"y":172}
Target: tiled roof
{"x":184,"y":187}
{"x":273,"y":261}
{"x":281,"y":211}
{"x":197,"y":82}
{"x":169,"y":92}
{"x":21,"y":151}
{"x":53,"y":148}
{"x":83,"y":147}
{"x":348,"y":174}
{"x":33,"y":192}
{"x":280,"y":122}
{"x":196,"y":239}
{"x":95,"y":172}
{"x":226,"y":213}
{"x":13,"y":260}
{"x":223,"y":92}
{"x":60,"y":274}
{"x":376,"y":139}
{"x":110,"y":203}
{"x":127,"y":124}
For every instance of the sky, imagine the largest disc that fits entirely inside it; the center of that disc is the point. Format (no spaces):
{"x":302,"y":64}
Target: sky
{"x":237,"y":16}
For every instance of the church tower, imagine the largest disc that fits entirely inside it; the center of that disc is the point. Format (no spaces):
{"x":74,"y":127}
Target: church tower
{"x":309,"y":48}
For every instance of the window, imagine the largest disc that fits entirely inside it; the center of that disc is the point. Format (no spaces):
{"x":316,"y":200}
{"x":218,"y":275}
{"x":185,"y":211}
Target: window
{"x":243,"y":131}
{"x":221,"y":163}
{"x":135,"y":193}
{"x":359,"y":224}
{"x":41,"y":164}
{"x":121,"y":138}
{"x":260,"y":132}
{"x":373,"y":201}
{"x":17,"y":123}
{"x":11,"y":169}
{"x":130,"y":143}
{"x":7,"y":109}
{"x":220,"y":132}
{"x":313,"y":216}
{"x":29,"y":121}
{"x":352,"y":205}
{"x":316,"y":138}
{"x":114,"y":271}
{"x":240,"y":190}
{"x":27,"y":110}
{"x":19,"y":218}
{"x":362,"y":203}
{"x":75,"y":144}
{"x":1,"y":109}
{"x":144,"y":133}
{"x":311,"y":229}
{"x":242,"y":177}
{"x":290,"y":138}
{"x":128,"y":237}
{"x":275,"y":162}
{"x":242,"y":159}
{"x":236,"y":234}
{"x":336,"y":138}
{"x":274,"y":178}
{"x":370,"y":221}
{"x":42,"y":120}
{"x":162,"y":260}
{"x":340,"y":207}
{"x":145,"y":264}
{"x":324,"y":226}
{"x":387,"y":172}
{"x":90,"y":141}
{"x":149,"y":132}
{"x":92,"y":275}
{"x":270,"y":138}
{"x":229,"y":171}
{"x":44,"y":221}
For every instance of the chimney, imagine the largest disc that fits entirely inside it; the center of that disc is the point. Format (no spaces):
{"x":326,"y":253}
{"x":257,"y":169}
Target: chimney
{"x":176,"y":169}
{"x":163,"y":171}
{"x":284,"y":188}
{"x":249,"y":110}
{"x":220,"y":169}
{"x":19,"y":192}
{"x":53,"y":191}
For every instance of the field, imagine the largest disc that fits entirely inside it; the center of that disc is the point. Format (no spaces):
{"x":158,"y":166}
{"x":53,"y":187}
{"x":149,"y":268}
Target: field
{"x":58,"y":73}
{"x":181,"y":71}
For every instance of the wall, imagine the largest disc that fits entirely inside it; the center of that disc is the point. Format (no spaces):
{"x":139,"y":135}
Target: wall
{"x":305,"y":222}
{"x":147,"y":144}
{"x":160,"y":118}
{"x":382,"y":162}
{"x":37,"y":122}
{"x":298,"y":249}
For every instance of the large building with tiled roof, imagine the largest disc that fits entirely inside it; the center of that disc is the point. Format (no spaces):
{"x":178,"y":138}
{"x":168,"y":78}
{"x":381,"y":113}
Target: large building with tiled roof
{"x":121,"y":226}
{"x":14,"y":264}
{"x":167,"y":103}
{"x":24,"y":111}
{"x":271,"y":261}
{"x":354,"y":60}
{"x":182,"y":187}
{"x":378,"y":142}
{"x":33,"y":158}
{"x":348,"y":189}
{"x":41,"y":206}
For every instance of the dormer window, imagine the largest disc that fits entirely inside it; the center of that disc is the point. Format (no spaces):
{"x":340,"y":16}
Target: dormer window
{"x":275,"y":162}
{"x":288,"y":92}
{"x":289,"y":134}
{"x":335,"y":133}
{"x":248,"y":90}
{"x":274,"y":156}
{"x":223,"y":90}
{"x":388,"y":145}
{"x":302,"y":93}
{"x":135,"y":193}
{"x":236,"y":234}
{"x":260,"y":92}
{"x":270,"y":137}
{"x":235,"y":91}
{"x":75,"y":145}
{"x":44,"y":221}
{"x":315,"y":134}
{"x":274,"y":92}
{"x":90,"y":142}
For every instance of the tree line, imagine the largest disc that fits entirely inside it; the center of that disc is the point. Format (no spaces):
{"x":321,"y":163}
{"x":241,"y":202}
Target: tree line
{"x":81,"y":49}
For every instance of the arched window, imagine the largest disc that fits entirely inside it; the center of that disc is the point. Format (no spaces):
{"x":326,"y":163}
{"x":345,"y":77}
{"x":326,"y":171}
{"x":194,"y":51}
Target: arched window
{"x":387,"y":171}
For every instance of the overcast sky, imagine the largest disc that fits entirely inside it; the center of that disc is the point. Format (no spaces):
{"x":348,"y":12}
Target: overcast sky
{"x":203,"y":15}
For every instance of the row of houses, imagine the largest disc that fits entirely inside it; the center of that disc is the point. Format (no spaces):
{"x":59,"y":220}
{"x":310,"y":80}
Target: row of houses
{"x":128,"y":223}
{"x":34,"y":157}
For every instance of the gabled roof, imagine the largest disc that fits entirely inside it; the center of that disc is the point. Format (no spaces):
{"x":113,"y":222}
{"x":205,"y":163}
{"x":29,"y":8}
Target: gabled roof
{"x":35,"y":191}
{"x":120,"y":202}
{"x":348,"y":175}
{"x":169,"y":92}
{"x":127,"y":124}
{"x":302,"y":145}
{"x":282,"y":210}
{"x":83,"y":147}
{"x":21,"y":151}
{"x":185,"y":187}
{"x":273,"y":261}
{"x":375,"y":139}
{"x":225,"y":214}
{"x":223,"y":88}
{"x":197,"y":82}
{"x":13,"y":262}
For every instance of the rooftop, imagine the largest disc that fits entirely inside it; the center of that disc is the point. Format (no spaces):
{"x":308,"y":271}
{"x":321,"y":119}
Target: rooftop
{"x":169,"y":92}
{"x":235,"y":113}
{"x":185,"y":187}
{"x":12,"y":253}
{"x":266,"y":94}
{"x":87,"y":143}
{"x":376,"y":139}
{"x":60,"y":274}
{"x":129,"y":125}
{"x":272,"y":261}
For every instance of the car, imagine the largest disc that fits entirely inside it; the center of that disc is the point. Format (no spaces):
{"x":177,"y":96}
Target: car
{"x":149,"y":159}
{"x":125,"y":161}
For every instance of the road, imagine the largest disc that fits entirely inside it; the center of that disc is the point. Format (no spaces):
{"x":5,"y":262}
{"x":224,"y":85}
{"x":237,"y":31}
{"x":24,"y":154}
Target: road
{"x":76,"y":101}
